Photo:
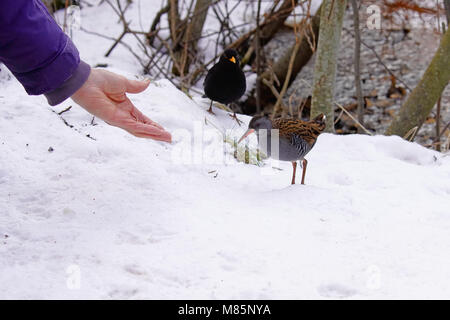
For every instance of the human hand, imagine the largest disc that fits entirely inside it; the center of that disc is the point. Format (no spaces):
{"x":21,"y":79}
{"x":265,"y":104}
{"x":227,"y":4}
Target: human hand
{"x":103,"y":95}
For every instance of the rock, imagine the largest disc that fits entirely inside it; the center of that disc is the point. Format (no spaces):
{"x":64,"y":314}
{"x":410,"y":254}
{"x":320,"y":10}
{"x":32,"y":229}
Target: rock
{"x":406,"y":53}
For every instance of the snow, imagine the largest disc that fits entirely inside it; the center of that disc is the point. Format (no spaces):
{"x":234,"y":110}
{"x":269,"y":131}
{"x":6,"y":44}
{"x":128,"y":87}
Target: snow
{"x":120,"y":217}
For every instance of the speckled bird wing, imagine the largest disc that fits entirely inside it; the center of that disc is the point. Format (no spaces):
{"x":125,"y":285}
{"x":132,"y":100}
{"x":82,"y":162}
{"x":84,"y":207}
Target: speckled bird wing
{"x":294,"y":128}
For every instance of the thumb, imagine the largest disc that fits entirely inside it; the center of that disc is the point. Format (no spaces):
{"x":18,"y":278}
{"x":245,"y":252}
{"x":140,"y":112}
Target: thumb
{"x":135,"y":86}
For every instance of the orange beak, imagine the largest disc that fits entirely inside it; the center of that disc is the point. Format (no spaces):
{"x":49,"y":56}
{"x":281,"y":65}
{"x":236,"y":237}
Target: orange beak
{"x":246,"y":134}
{"x":232,"y":59}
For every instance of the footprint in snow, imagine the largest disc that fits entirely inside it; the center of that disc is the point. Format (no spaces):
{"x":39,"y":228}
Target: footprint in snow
{"x":229,"y":261}
{"x":135,"y":270}
{"x":340,"y":179}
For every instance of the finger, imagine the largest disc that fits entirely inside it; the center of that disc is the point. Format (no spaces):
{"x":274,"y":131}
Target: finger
{"x":165,"y":138}
{"x":135,"y":86}
{"x":149,"y":131}
{"x":143,"y":118}
{"x":153,"y":123}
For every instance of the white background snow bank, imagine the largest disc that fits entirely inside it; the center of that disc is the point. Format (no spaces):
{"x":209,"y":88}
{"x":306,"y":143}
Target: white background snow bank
{"x":372,"y":220}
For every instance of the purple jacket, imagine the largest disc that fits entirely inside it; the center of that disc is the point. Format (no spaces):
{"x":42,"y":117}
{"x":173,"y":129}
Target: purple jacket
{"x":39,"y":54}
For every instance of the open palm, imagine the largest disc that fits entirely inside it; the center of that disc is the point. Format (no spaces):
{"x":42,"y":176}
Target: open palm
{"x":104,"y":96}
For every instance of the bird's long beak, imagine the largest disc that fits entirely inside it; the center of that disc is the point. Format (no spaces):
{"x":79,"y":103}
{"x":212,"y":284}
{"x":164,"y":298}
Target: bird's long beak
{"x":232,"y":59}
{"x":246,"y":134}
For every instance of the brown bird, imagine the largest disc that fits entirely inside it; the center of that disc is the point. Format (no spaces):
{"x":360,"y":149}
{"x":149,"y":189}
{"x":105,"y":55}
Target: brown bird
{"x":296,"y":138}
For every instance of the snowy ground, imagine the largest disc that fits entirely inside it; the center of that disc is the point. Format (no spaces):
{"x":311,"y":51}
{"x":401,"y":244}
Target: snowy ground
{"x":122,"y":217}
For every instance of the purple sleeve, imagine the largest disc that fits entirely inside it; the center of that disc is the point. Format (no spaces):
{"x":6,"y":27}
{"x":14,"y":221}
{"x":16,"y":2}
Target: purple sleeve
{"x":39,"y":54}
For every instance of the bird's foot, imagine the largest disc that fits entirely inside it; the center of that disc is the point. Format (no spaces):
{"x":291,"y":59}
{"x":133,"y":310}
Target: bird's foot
{"x":210,"y":111}
{"x":236,"y":118}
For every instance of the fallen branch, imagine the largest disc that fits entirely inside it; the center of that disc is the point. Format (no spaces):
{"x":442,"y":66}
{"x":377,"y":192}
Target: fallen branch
{"x":65,"y":110}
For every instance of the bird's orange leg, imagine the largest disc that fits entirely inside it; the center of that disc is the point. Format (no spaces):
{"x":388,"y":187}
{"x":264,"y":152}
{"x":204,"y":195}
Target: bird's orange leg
{"x":234,"y":115}
{"x":304,"y":164}
{"x":294,"y":168}
{"x":236,"y":118}
{"x":210,"y":108}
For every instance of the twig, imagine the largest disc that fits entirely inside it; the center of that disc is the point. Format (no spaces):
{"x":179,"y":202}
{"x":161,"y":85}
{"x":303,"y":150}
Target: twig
{"x":156,"y":21}
{"x":339,"y":117}
{"x":438,"y":120}
{"x":383,"y":64}
{"x":124,"y":10}
{"x":65,"y":15}
{"x":301,"y":106}
{"x":269,"y":19}
{"x":119,"y":39}
{"x":121,"y":42}
{"x":65,"y":110}
{"x":357,"y":62}
{"x":438,"y":106}
{"x":379,"y":60}
{"x":286,"y":81}
{"x":411,"y":134}
{"x":218,"y":32}
{"x":97,"y":34}
{"x":69,"y":125}
{"x":353,"y":118}
{"x":171,"y":53}
{"x":271,"y":87}
{"x":258,"y":59}
{"x":445,"y":128}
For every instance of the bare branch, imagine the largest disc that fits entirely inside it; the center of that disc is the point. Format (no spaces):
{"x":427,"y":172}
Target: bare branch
{"x":357,"y":62}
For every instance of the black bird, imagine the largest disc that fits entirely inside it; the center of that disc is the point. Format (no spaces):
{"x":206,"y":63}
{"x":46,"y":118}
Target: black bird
{"x":296,"y":138}
{"x":225,"y":81}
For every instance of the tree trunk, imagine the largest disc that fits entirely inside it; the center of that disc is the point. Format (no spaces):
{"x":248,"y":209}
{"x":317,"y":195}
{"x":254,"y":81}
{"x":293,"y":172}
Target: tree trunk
{"x":425,"y":95}
{"x":331,"y":19}
{"x":192,"y":30}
